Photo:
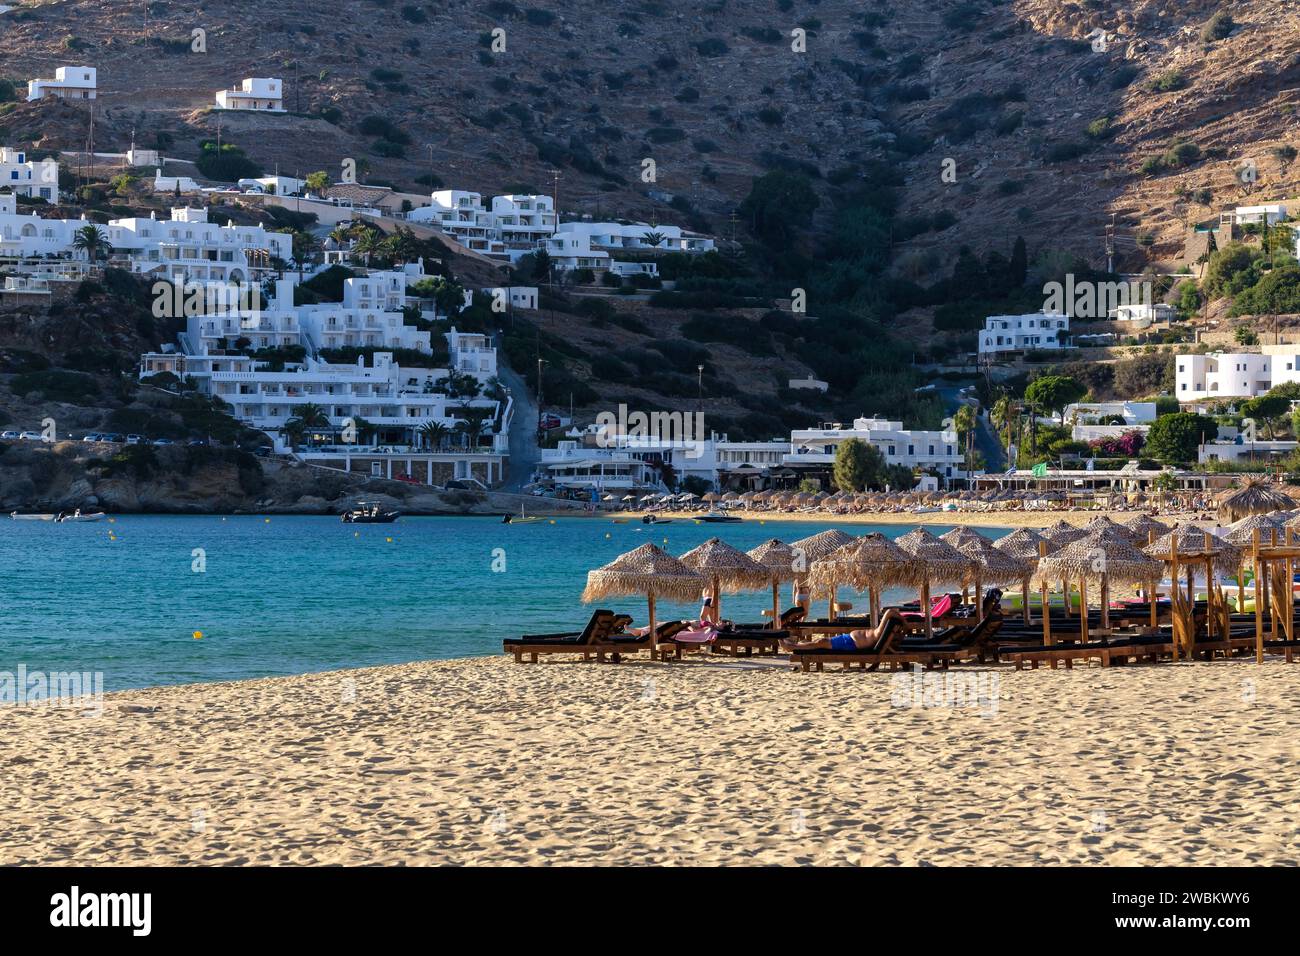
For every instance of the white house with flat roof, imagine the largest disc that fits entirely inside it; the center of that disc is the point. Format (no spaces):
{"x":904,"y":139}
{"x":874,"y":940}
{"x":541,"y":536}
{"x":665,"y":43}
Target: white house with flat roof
{"x":814,"y":449}
{"x":1270,"y":213}
{"x":69,"y":83}
{"x":265,"y":94}
{"x":523,"y":218}
{"x":1141,"y":316}
{"x":29,"y":177}
{"x":639,"y":236}
{"x":1020,"y":333}
{"x":1217,"y":375}
{"x":28,"y":236}
{"x":191,"y":248}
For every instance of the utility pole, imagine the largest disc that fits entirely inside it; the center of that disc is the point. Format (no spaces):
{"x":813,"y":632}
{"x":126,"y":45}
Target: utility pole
{"x":699,"y":401}
{"x":555,"y":196}
{"x":429,"y":147}
{"x":1110,"y":245}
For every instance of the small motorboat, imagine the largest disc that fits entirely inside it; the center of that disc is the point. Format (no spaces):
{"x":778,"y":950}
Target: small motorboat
{"x":717,"y":516}
{"x":522,"y":519}
{"x":17,"y":517}
{"x":369,"y":513}
{"x":78,"y":516}
{"x":655,"y":519}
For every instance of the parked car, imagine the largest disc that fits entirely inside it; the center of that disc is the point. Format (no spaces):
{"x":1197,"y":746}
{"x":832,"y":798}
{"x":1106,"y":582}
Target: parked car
{"x":196,"y":443}
{"x":163,"y":441}
{"x":115,"y":437}
{"x":31,"y":436}
{"x":466,"y":484}
{"x":262,"y":451}
{"x":9,"y":435}
{"x":93,"y":436}
{"x":135,"y":439}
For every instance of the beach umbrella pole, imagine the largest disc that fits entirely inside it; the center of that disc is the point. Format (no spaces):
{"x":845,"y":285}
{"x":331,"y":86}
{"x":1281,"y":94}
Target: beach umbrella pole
{"x":654,"y":643}
{"x":1259,"y":605}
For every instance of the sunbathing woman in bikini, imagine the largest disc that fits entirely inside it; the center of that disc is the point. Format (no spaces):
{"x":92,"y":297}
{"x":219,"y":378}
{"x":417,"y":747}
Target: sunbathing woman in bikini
{"x":861,"y":639}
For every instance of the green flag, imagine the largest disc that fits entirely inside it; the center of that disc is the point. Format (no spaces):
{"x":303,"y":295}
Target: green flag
{"x":1040,"y":470}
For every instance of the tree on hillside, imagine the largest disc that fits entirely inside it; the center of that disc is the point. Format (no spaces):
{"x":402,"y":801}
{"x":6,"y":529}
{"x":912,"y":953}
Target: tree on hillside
{"x":857,"y":464}
{"x":1266,"y":410}
{"x":779,"y":204}
{"x":1053,"y":393}
{"x":1277,"y":293}
{"x":1230,"y":270}
{"x":318,"y":181}
{"x":1175,"y":438}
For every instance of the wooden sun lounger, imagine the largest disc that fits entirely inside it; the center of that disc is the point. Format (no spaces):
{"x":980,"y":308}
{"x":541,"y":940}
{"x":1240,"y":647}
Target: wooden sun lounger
{"x":746,"y":643}
{"x":600,"y":639}
{"x":887,"y":651}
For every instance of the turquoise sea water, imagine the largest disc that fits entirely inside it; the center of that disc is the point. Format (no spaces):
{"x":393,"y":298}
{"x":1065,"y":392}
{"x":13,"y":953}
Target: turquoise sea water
{"x":291,"y":595}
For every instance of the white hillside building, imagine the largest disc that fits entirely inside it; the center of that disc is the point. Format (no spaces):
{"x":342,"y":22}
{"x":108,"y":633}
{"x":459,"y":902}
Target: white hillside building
{"x":1018,"y":333}
{"x":397,"y":400}
{"x":522,"y":219}
{"x":813,"y":449}
{"x":462,"y":215}
{"x":69,"y":83}
{"x":265,"y":94}
{"x":632,"y":236}
{"x":31,"y":237}
{"x":29,"y":177}
{"x":189,"y":248}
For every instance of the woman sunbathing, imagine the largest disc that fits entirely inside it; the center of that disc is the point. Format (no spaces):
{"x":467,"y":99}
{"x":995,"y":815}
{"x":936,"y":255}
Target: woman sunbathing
{"x":861,"y":639}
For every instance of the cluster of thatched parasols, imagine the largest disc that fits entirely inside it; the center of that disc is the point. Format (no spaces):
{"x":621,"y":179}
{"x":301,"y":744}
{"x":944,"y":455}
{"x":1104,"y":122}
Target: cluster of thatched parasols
{"x":1101,"y":556}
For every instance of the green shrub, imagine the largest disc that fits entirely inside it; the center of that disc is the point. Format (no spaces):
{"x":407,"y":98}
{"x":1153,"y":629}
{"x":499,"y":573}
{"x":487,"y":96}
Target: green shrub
{"x":1167,"y":82}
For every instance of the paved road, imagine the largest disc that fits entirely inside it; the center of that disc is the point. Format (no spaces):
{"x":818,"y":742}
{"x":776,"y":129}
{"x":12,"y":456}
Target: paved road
{"x":986,"y":441}
{"x":524,"y":453}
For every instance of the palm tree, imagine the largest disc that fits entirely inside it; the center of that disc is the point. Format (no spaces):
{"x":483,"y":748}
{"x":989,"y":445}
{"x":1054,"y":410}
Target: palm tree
{"x":310,"y":415}
{"x":434,"y":434}
{"x":964,"y":423}
{"x":93,"y":241}
{"x":654,"y":238}
{"x":366,"y":245}
{"x":472,"y":422}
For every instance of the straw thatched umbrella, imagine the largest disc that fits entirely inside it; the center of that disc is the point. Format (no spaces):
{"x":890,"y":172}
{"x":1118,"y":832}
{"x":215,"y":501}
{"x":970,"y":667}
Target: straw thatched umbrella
{"x":1256,"y":497}
{"x":1143,"y":526}
{"x":648,"y":570}
{"x":814,"y":548}
{"x":726,"y":567}
{"x":1027,"y":547}
{"x":1102,"y":558}
{"x":869,"y":564}
{"x":991,"y":565}
{"x":943,"y":563}
{"x":780,"y":562}
{"x":1062,"y":533}
{"x":1242,"y":533}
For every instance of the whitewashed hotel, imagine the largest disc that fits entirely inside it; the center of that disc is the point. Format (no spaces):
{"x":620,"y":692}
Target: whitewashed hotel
{"x":813,"y":450}
{"x":1019,"y":333}
{"x":265,"y":94}
{"x":190,"y":248}
{"x":69,"y":83}
{"x":28,"y":237}
{"x":396,"y":400}
{"x":38,"y":178}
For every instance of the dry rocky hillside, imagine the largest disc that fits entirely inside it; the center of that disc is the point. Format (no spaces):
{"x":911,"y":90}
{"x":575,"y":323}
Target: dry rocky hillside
{"x":1040,"y":119}
{"x":714,"y":94}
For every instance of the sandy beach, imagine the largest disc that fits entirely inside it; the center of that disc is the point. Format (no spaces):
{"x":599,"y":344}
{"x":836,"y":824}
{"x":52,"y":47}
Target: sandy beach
{"x":490,"y":762}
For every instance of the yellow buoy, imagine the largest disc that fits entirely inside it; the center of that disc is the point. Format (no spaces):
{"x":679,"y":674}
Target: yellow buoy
{"x":606,"y":535}
{"x":267,"y":520}
{"x":356,"y":534}
{"x":389,"y":540}
{"x":198,"y":635}
{"x":552,"y":521}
